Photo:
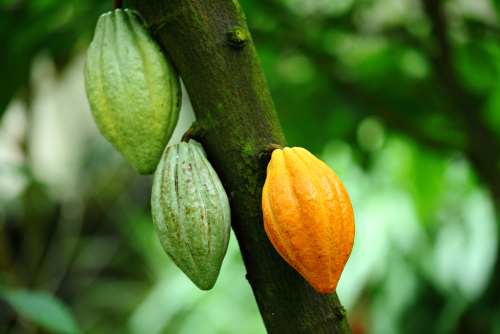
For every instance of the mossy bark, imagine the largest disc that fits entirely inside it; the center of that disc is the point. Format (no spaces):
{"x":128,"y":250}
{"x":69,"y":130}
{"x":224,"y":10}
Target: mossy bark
{"x":209,"y":43}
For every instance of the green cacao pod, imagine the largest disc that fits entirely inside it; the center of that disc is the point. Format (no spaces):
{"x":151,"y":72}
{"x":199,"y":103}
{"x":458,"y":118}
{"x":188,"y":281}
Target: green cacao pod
{"x":133,"y":89}
{"x":191,"y":213}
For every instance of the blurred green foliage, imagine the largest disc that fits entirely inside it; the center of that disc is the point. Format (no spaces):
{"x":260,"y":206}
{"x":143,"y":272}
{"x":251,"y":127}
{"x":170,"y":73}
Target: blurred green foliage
{"x":43,"y":309}
{"x":401,"y":98}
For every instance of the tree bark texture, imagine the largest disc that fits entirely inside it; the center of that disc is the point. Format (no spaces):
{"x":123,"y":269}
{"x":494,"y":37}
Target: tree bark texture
{"x":209,"y":43}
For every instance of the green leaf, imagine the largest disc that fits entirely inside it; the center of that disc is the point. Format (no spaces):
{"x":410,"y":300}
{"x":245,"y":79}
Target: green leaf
{"x":43,"y":309}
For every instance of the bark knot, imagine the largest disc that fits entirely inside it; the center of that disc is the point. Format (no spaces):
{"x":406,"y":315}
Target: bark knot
{"x":236,"y":37}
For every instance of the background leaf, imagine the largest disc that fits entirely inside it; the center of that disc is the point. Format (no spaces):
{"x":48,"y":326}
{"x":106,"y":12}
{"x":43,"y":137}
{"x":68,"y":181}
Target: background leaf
{"x":43,"y":309}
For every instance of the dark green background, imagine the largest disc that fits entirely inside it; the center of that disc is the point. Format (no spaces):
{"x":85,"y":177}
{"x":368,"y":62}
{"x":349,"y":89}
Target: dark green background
{"x":401,"y":98}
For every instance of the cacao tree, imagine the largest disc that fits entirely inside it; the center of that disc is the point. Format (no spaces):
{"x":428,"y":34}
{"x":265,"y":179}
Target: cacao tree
{"x":403,"y":94}
{"x":211,"y":47}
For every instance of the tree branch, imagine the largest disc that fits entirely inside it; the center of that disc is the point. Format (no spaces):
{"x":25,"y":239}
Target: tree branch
{"x":231,"y":99}
{"x":483,"y":149}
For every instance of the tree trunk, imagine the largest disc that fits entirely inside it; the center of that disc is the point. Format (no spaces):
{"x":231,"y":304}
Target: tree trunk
{"x":209,"y":43}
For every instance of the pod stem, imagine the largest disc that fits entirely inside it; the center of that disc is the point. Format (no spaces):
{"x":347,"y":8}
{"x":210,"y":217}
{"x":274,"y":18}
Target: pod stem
{"x":271,"y":147}
{"x":117,"y":4}
{"x":187,"y":135}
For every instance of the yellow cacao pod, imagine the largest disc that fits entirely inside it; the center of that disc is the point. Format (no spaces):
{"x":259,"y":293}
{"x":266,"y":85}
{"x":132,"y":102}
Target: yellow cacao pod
{"x":308,"y":216}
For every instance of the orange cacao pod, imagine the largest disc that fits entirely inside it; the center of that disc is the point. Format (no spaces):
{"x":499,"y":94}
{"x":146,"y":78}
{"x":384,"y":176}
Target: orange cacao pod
{"x":308,"y":216}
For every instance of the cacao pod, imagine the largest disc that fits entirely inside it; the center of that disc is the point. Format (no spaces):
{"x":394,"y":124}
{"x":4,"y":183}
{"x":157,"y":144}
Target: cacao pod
{"x":132,"y":88}
{"x":191,"y":213}
{"x":308,"y":216}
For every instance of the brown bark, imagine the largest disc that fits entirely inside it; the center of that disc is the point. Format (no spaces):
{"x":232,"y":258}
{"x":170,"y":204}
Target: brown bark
{"x":209,"y":43}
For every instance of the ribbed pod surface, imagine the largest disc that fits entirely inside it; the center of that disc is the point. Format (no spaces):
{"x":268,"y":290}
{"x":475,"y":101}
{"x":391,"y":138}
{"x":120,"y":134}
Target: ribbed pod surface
{"x":191,"y":212}
{"x":133,"y":89}
{"x":308,"y":216}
